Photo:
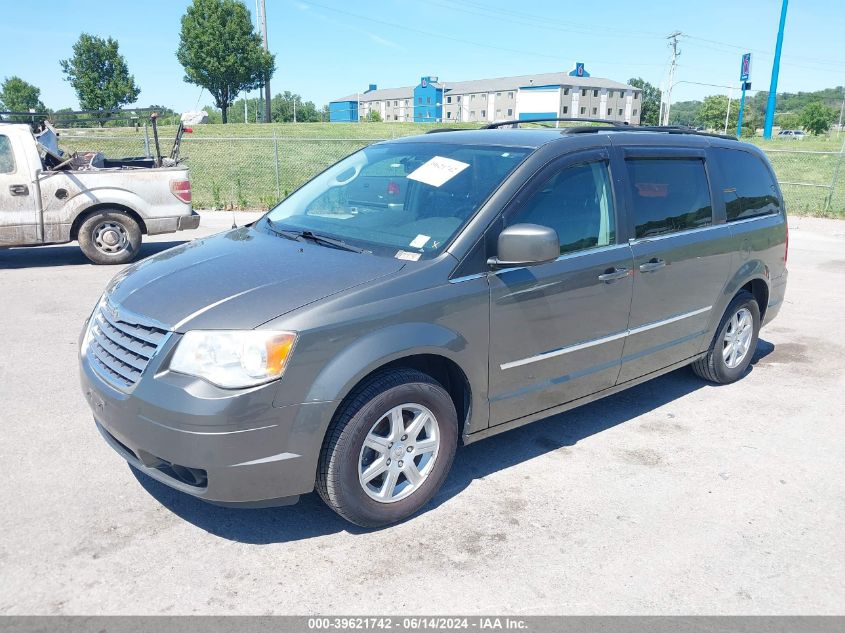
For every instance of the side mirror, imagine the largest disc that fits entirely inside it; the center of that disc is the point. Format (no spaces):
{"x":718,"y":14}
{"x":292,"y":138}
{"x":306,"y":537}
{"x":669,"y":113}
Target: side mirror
{"x":526,"y":245}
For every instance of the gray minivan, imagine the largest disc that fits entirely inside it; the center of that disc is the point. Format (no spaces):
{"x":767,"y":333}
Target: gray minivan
{"x":428,"y":291}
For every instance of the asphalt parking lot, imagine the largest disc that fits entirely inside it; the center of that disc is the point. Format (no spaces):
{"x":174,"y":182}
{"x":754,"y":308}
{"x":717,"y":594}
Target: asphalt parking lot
{"x":674,"y":497}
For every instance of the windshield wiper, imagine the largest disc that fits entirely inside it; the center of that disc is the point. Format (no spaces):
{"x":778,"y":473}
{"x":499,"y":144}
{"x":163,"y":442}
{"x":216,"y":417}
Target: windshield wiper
{"x":292,"y":234}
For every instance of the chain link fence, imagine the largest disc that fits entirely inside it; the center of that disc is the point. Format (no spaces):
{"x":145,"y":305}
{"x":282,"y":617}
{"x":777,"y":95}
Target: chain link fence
{"x":249,"y":172}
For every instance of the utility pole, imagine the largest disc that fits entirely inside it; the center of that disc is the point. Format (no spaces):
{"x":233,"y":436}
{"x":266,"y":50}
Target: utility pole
{"x":841,"y":112}
{"x":773,"y":88}
{"x":262,"y":22}
{"x":673,"y":44}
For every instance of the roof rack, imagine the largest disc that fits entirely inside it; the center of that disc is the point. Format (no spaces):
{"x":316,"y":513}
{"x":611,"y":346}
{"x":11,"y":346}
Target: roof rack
{"x":516,"y":122}
{"x":666,"y":129}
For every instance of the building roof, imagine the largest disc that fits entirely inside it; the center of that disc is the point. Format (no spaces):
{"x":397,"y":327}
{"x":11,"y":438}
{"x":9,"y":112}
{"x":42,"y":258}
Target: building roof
{"x":493,"y":85}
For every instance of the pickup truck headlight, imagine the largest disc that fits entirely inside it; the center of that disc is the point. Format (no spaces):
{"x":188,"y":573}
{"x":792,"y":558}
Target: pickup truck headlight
{"x":233,"y":359}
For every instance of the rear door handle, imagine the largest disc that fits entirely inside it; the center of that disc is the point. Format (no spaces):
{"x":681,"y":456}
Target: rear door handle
{"x":655,"y":263}
{"x":19,"y":190}
{"x":612,"y":274}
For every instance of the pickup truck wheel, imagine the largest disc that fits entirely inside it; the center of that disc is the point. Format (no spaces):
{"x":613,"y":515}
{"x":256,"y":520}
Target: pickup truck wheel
{"x":733,"y":346}
{"x":389,"y":449}
{"x":110,"y":238}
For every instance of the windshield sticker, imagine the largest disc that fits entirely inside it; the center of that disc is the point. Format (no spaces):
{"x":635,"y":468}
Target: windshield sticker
{"x":419,"y":241}
{"x":412,"y":257}
{"x":437,"y":171}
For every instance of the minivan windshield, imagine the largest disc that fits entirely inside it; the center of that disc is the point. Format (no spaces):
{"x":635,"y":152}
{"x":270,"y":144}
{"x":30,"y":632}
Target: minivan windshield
{"x":406,"y":200}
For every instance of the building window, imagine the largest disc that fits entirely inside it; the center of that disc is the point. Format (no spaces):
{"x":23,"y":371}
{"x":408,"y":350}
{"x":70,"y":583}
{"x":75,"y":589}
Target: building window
{"x":583,"y":110}
{"x":595,"y":93}
{"x":566,"y":109}
{"x":510,"y":95}
{"x":472,"y":114}
{"x":634,"y":113}
{"x":483,"y":95}
{"x":472,"y":97}
{"x":609,"y":111}
{"x":448,"y":115}
{"x":395,"y":104}
{"x":484,"y":114}
{"x":498,"y":94}
{"x":406,"y":102}
{"x":565,"y":91}
{"x":620,"y":111}
{"x":428,"y":99}
{"x":583,"y":92}
{"x":636,"y":95}
{"x":510,"y":111}
{"x":419,"y":100}
{"x":448,"y":99}
{"x":595,"y":111}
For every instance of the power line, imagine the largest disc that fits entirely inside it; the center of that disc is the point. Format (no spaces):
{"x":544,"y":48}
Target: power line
{"x":460,"y":40}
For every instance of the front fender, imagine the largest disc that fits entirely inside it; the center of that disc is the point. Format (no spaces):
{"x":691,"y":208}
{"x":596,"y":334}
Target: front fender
{"x":378,"y":348}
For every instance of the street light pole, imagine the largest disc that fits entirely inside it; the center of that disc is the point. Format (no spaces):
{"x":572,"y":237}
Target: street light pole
{"x":773,"y":87}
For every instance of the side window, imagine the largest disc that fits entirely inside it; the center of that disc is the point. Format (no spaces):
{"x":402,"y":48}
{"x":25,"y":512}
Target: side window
{"x":7,"y":158}
{"x":750,"y":189}
{"x":669,"y":195}
{"x":578,"y":203}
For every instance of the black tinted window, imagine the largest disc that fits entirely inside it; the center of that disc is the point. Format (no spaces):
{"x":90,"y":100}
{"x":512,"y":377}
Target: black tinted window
{"x":669,"y":195}
{"x":749,"y":187}
{"x":577,"y":202}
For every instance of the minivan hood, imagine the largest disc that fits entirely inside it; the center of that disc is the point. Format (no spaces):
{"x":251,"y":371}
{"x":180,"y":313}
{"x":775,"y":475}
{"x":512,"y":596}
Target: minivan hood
{"x":239,"y":279}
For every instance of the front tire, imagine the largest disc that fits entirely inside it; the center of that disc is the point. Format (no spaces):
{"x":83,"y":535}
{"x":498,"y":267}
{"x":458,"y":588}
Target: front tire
{"x":389,"y":448}
{"x":733,"y":347}
{"x":112,"y":237}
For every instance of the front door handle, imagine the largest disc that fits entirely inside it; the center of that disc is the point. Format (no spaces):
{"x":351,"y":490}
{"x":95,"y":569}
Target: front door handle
{"x":655,"y":263}
{"x":19,"y":190}
{"x":612,"y":274}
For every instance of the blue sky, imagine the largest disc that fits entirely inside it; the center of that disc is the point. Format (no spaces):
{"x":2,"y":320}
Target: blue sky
{"x":327,"y":49}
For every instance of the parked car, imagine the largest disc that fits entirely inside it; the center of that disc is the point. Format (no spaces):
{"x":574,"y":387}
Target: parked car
{"x":352,"y":337}
{"x":794,"y":135}
{"x":106,"y":205}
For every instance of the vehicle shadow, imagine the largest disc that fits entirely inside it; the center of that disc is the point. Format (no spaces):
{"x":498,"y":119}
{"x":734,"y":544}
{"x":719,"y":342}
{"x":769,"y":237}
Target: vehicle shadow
{"x":70,"y":255}
{"x":310,"y":517}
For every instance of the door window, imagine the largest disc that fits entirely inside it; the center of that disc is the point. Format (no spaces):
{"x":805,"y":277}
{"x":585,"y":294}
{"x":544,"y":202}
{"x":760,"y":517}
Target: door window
{"x":669,"y":195}
{"x":577,"y":202}
{"x":7,"y":158}
{"x":750,"y":189}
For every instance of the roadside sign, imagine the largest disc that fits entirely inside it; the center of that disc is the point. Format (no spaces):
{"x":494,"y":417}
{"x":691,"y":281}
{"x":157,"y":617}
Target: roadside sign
{"x":579,"y":70}
{"x":745,"y":69}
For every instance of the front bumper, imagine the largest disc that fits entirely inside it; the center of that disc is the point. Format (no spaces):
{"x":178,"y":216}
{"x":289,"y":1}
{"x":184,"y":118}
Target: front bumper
{"x":225,"y":447}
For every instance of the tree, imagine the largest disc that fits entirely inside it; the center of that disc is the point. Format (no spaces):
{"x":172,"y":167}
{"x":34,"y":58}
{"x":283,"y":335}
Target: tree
{"x":373,"y":116}
{"x":816,"y":118}
{"x":650,"y":101}
{"x":221,"y":52}
{"x":16,"y":95}
{"x":99,"y":74}
{"x":712,"y":112}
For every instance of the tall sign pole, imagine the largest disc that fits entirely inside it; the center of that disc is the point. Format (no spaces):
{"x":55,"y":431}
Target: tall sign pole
{"x":773,"y":88}
{"x":744,"y":76}
{"x":262,"y":21}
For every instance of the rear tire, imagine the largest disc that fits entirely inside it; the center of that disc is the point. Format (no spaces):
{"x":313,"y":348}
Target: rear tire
{"x":733,"y":347}
{"x":110,"y":237}
{"x":389,"y":448}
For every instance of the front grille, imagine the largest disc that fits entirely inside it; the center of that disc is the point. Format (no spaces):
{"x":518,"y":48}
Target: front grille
{"x":121,"y":346}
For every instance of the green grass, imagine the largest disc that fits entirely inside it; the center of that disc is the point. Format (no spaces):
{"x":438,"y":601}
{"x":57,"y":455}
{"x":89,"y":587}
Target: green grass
{"x":234,"y":166}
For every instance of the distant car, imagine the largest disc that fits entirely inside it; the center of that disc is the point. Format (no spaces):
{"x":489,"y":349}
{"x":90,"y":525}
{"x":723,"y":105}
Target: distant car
{"x":795,"y":135}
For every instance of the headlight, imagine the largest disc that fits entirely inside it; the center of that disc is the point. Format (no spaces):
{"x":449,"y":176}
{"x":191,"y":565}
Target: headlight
{"x":233,"y":359}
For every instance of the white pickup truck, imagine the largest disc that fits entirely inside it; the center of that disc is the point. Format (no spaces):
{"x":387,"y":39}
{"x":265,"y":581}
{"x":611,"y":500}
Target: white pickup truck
{"x":106,"y":205}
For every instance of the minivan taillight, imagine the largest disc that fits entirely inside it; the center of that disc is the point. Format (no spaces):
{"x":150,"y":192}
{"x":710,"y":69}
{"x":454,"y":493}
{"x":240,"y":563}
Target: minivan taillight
{"x":181,"y":189}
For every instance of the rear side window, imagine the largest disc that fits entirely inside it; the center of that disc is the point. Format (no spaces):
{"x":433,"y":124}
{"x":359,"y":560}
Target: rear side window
{"x":750,"y":189}
{"x":7,"y":159}
{"x":669,"y":195}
